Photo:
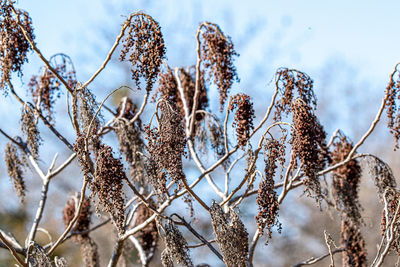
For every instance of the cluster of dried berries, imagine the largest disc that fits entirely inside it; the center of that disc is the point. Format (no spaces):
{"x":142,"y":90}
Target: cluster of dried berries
{"x":391,"y":98}
{"x":131,"y":145}
{"x":147,"y":236}
{"x":392,"y":200}
{"x":15,"y":168}
{"x":267,"y":199}
{"x":14,"y":46}
{"x":308,"y":144}
{"x":144,"y":47}
{"x":346,"y":181}
{"x":175,"y":247}
{"x":167,"y":144}
{"x":30,"y":130}
{"x":383,"y":176}
{"x":88,"y":246}
{"x":38,"y":256}
{"x":289,"y":81}
{"x":232,"y":236}
{"x":355,"y":254}
{"x":107,"y":185}
{"x":217,"y":55}
{"x":244,"y":116}
{"x":45,"y":88}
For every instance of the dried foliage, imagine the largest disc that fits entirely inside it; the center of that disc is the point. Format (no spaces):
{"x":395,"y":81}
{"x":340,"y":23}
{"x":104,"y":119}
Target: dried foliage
{"x":15,"y":166}
{"x":167,"y":144}
{"x":232,"y":236}
{"x":83,"y":222}
{"x":392,"y":109}
{"x":391,"y":215}
{"x":308,"y":144}
{"x":107,"y":185}
{"x":383,"y":176}
{"x":244,"y":116}
{"x":30,"y":130}
{"x":14,"y":46}
{"x":346,"y":182}
{"x":147,"y":236}
{"x":217,"y":55}
{"x":175,"y":247}
{"x":267,"y":198}
{"x":144,"y":49}
{"x":355,"y":254}
{"x":292,"y":84}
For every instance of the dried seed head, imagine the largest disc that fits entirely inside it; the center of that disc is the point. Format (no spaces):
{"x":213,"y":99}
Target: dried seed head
{"x":244,"y":116}
{"x":308,"y":145}
{"x":147,"y":236}
{"x":176,"y":246}
{"x":127,"y":109}
{"x":383,"y":176}
{"x":232,"y":236}
{"x":143,"y":48}
{"x":166,"y":258}
{"x":45,"y":88}
{"x":30,"y":130}
{"x":15,"y":165}
{"x":38,"y":256}
{"x":292,"y":84}
{"x":84,"y":220}
{"x":346,"y":181}
{"x":89,"y":252}
{"x":167,"y":144}
{"x":355,"y":254}
{"x":14,"y":46}
{"x":391,"y":199}
{"x":392,"y":105}
{"x":267,"y":199}
{"x":107,"y":185}
{"x":217,"y":55}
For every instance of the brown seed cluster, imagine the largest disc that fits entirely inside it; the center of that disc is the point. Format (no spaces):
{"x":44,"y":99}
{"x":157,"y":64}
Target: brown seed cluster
{"x":147,"y":236}
{"x":346,"y":182}
{"x":393,"y":112}
{"x":383,"y":176}
{"x":144,"y":49}
{"x":107,"y":185}
{"x":127,"y":109}
{"x":84,"y":220}
{"x":175,"y":247}
{"x":217,"y":55}
{"x":355,"y":254}
{"x":392,"y":198}
{"x":244,"y":115}
{"x":308,"y":145}
{"x":15,"y":166}
{"x":166,"y":145}
{"x":30,"y":130}
{"x":292,"y":84}
{"x":38,"y":256}
{"x":232,"y":236}
{"x":45,"y":88}
{"x":267,"y":199}
{"x":14,"y":46}
{"x":89,"y":252}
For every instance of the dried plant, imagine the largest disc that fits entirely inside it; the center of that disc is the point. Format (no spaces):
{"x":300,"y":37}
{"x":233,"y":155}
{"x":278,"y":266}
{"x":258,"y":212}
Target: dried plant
{"x":148,"y":236}
{"x":383,"y":176}
{"x":144,"y":49}
{"x":15,"y":165}
{"x":244,"y":116}
{"x":14,"y":45}
{"x":30,"y":130}
{"x":232,"y":236}
{"x":391,"y":102}
{"x":355,"y":253}
{"x":175,"y":247}
{"x":217,"y":54}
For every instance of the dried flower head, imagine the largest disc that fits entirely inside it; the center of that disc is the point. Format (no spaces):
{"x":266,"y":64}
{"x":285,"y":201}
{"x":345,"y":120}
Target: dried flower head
{"x":382,"y":175}
{"x":30,"y":130}
{"x":107,"y":185}
{"x":308,"y":144}
{"x":89,"y":252}
{"x":147,"y":236}
{"x":267,"y":199}
{"x":217,"y":55}
{"x":175,"y":247}
{"x":244,"y":116}
{"x":355,"y":254}
{"x":83,"y":222}
{"x":15,"y":165}
{"x":346,"y":181}
{"x":391,"y":98}
{"x":232,"y":236}
{"x":167,"y":144}
{"x":38,"y":256}
{"x":45,"y":88}
{"x":391,"y":214}
{"x":292,"y":84}
{"x":14,"y":46}
{"x":144,"y":48}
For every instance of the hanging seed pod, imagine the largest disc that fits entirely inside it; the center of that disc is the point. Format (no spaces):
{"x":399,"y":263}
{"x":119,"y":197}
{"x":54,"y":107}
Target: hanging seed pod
{"x":244,"y":116}
{"x":15,"y":165}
